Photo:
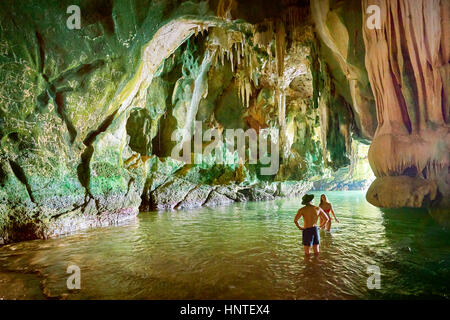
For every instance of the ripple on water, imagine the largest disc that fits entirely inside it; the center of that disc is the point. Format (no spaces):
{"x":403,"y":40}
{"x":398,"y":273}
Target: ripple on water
{"x":244,"y":251}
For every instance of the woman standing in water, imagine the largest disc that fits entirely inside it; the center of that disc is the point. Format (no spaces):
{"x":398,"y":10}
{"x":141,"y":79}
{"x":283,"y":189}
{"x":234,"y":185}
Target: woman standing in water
{"x":326,"y":206}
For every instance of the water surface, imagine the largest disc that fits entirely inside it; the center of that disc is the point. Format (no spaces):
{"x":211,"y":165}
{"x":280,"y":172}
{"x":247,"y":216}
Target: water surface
{"x":243,"y":251}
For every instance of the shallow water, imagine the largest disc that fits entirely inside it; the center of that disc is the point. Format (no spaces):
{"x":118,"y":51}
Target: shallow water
{"x":243,"y":251}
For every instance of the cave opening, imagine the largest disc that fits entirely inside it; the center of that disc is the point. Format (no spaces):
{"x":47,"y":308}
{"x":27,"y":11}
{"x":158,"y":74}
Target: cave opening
{"x":223,"y":77}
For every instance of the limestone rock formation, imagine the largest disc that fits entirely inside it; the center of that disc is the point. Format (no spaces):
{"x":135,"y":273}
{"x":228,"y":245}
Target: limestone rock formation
{"x":401,"y":191}
{"x":87,"y":116}
{"x":339,"y":27}
{"x":407,"y":60}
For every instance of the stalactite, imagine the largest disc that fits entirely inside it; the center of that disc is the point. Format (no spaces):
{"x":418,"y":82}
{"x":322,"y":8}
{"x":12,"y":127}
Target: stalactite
{"x":281,"y":101}
{"x":408,"y":86}
{"x":200,"y":90}
{"x":224,"y":8}
{"x":238,"y":48}
{"x":233,"y":46}
{"x":334,"y":33}
{"x":324,"y":118}
{"x":230,"y":55}
{"x":244,"y":88}
{"x":264,"y":34}
{"x":280,"y":38}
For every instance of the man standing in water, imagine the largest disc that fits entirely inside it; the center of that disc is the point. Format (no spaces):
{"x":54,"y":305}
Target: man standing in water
{"x":310,"y":214}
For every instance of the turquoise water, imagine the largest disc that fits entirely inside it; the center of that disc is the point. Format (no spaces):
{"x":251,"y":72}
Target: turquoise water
{"x":243,"y":251}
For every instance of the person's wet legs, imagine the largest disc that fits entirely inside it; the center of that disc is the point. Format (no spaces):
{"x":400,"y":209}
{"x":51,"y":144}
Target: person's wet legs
{"x":316,"y":249}
{"x":306,"y":250}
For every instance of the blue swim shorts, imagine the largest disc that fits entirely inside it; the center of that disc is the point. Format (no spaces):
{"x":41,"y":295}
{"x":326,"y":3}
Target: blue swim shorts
{"x":311,"y":236}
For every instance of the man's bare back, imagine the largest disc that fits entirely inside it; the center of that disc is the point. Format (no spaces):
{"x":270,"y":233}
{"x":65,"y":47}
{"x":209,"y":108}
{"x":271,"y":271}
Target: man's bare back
{"x":310,"y":214}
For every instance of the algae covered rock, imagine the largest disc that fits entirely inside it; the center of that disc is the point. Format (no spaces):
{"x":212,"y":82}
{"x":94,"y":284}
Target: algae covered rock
{"x":66,"y":95}
{"x":171,"y":193}
{"x":89,"y":117}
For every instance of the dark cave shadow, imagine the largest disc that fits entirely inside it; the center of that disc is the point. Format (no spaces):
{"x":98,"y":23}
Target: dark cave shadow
{"x":410,"y":228}
{"x":440,"y":216}
{"x":418,"y":252}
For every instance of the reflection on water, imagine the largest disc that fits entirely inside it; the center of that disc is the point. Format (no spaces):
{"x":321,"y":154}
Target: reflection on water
{"x":244,"y":251}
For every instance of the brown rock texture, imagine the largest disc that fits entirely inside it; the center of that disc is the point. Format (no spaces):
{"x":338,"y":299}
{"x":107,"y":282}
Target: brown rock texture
{"x":338,"y":26}
{"x":407,"y":60}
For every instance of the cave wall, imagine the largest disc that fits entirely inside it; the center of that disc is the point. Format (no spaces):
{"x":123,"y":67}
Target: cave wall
{"x":65,"y":99}
{"x":86,"y":116}
{"x":396,"y":79}
{"x":338,"y":25}
{"x":407,"y":61}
